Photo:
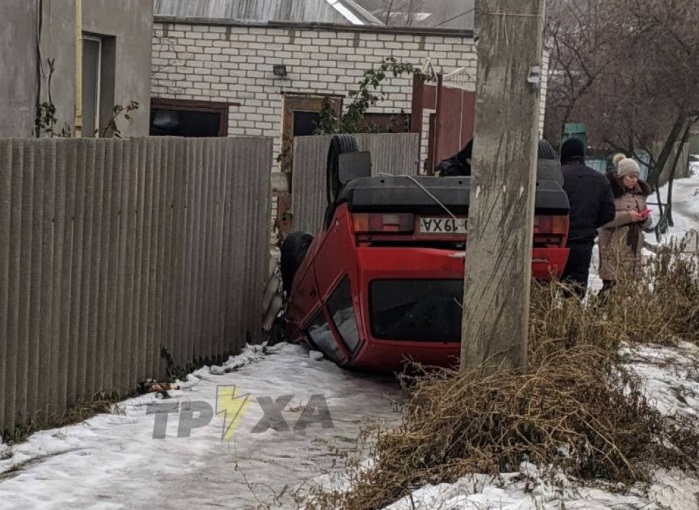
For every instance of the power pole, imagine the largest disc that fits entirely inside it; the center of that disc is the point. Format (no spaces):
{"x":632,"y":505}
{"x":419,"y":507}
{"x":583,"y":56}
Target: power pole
{"x":503,"y":179}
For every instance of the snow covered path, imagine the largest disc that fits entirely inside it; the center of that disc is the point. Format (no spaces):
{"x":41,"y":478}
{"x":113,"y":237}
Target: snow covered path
{"x":113,"y":462}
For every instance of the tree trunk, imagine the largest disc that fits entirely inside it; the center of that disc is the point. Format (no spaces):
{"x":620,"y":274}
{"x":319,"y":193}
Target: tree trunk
{"x":654,"y":175}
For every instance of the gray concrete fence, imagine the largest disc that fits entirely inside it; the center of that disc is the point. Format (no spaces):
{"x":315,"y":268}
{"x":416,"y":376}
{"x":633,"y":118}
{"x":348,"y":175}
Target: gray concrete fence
{"x":394,"y":154}
{"x":113,"y":252}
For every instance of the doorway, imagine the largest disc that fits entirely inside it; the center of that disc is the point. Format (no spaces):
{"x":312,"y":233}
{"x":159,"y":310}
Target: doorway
{"x":301,"y":113}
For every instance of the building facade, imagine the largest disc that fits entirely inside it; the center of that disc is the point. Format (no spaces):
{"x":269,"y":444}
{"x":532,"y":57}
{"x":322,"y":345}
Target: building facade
{"x":40,"y":41}
{"x":271,"y":79}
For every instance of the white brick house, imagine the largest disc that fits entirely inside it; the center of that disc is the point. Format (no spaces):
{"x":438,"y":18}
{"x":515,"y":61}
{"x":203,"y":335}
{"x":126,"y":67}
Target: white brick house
{"x":227,"y":62}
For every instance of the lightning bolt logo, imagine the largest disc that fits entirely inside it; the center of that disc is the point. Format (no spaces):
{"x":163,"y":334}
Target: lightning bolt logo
{"x":232,"y":406}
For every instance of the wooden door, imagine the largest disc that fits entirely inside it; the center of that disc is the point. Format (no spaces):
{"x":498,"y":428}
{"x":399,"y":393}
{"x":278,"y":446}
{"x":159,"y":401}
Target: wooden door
{"x":301,"y":113}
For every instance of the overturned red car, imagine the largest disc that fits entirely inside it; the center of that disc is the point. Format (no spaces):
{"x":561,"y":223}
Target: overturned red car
{"x":381,"y":282}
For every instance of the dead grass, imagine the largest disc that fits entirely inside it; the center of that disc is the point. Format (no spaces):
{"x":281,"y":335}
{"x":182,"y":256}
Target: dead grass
{"x":78,"y":412}
{"x":574,"y":409}
{"x":673,"y":277}
{"x":661,"y":307}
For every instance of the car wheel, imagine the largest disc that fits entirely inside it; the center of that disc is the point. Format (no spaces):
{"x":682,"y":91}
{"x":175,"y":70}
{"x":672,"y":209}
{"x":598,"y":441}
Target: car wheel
{"x":277,"y":333}
{"x":293,"y":252}
{"x":340,"y":144}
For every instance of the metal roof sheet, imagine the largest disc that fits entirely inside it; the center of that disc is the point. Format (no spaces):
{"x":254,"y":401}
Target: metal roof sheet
{"x":450,"y":14}
{"x":321,"y":11}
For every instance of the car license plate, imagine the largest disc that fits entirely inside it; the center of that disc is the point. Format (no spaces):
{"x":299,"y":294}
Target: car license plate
{"x":442,"y":226}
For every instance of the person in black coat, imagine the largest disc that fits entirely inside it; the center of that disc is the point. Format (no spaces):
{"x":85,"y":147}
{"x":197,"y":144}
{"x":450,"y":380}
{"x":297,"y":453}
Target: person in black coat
{"x":591,"y":206}
{"x":548,"y":167}
{"x":458,"y":164}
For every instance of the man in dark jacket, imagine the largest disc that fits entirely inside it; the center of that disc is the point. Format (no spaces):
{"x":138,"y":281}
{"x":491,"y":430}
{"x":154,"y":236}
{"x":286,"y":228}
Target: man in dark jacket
{"x":548,"y":167}
{"x":458,"y":164}
{"x":591,"y":206}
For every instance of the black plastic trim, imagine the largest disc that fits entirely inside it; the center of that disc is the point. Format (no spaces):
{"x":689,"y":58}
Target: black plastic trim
{"x":402,"y":194}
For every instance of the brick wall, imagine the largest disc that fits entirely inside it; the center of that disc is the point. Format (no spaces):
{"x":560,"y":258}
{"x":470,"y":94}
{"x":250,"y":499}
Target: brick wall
{"x":233,"y":63}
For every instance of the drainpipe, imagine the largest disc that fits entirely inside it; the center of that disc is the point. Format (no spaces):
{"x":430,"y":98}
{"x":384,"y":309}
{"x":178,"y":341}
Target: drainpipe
{"x":78,"y":68}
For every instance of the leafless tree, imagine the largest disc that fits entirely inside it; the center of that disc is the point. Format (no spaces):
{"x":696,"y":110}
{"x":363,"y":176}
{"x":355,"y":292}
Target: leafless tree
{"x":394,"y":12}
{"x":580,"y":53}
{"x":628,"y":70}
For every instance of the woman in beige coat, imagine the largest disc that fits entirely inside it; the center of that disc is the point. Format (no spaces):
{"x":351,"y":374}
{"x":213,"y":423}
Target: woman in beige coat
{"x":621,"y":240}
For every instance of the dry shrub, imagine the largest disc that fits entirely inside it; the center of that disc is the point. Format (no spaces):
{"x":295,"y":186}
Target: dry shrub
{"x":568,"y":413}
{"x":574,"y":409}
{"x":661,"y":307}
{"x":673,"y":279}
{"x":557,"y":324}
{"x":630,"y":313}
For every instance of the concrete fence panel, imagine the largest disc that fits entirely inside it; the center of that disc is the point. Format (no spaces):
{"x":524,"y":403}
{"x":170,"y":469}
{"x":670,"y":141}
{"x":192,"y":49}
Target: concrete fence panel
{"x":693,"y":144}
{"x":115,"y":252}
{"x":393,"y":154}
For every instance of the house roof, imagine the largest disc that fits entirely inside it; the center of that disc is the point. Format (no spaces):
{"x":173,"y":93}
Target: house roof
{"x":454,"y":14}
{"x":322,"y":11}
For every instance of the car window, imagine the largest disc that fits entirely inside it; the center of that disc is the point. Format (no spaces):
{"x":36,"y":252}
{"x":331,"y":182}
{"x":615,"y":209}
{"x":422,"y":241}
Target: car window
{"x":342,"y":312}
{"x":416,"y":310}
{"x":322,"y":336}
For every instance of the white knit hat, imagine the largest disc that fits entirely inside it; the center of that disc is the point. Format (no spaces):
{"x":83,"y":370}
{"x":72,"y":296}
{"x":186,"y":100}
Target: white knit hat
{"x":627,"y":166}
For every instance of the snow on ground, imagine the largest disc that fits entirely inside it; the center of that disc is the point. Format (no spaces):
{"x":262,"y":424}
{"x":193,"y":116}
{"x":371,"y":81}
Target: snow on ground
{"x":671,"y":381}
{"x":112,"y":461}
{"x":671,"y":377}
{"x":525,"y":490}
{"x":685,"y":205}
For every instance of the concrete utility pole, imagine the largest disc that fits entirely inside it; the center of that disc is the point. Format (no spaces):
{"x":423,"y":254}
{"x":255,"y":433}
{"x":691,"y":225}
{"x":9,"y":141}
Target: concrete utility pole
{"x":501,"y":215}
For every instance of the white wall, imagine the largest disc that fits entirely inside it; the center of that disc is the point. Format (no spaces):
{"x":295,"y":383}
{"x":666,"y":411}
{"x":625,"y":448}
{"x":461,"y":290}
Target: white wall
{"x":129,"y":21}
{"x":234,"y":64}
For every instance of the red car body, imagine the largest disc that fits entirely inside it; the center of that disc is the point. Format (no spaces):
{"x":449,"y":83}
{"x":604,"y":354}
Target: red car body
{"x":380,"y":285}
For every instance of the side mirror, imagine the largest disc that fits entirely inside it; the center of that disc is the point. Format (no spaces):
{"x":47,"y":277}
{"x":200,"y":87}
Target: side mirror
{"x":353,"y":165}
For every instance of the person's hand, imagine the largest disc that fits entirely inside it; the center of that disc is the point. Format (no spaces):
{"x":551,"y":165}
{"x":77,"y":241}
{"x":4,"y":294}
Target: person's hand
{"x":635,"y":216}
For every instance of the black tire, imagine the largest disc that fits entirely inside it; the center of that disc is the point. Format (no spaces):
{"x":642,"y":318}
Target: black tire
{"x":293,"y":252}
{"x":277,"y":334}
{"x":340,"y":144}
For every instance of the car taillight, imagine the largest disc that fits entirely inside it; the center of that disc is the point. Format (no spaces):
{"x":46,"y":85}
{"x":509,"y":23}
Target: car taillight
{"x":551,"y":224}
{"x":550,"y":230}
{"x":382,"y":223}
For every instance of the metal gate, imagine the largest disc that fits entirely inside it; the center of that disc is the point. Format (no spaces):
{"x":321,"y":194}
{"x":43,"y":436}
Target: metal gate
{"x":450,"y":102}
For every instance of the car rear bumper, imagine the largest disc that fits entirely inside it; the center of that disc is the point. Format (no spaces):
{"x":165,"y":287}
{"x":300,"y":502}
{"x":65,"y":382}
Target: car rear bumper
{"x":374,"y":262}
{"x":547,"y":262}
